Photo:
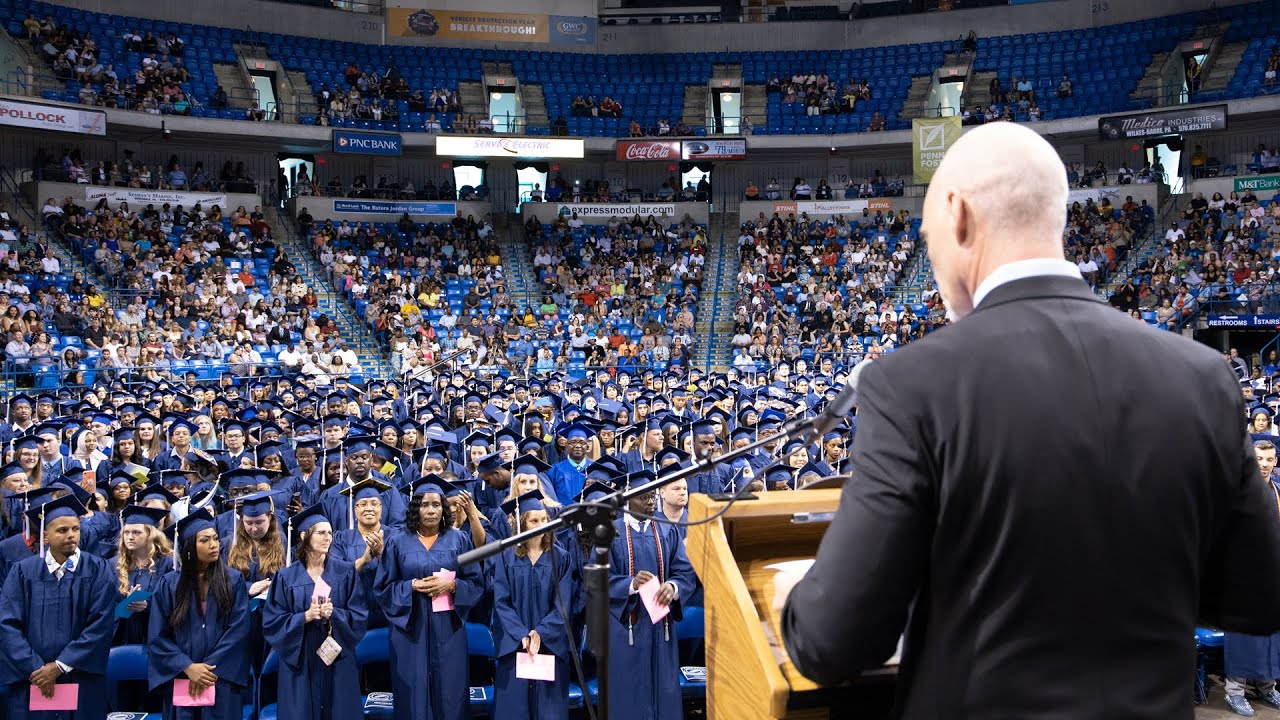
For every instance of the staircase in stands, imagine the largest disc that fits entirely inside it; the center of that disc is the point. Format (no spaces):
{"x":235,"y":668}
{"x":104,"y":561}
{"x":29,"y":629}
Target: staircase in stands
{"x":517,"y":265}
{"x":332,"y":302}
{"x":714,"y":328}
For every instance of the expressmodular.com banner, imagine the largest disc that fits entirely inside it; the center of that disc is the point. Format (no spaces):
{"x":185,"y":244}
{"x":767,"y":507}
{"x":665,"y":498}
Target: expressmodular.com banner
{"x":617,"y":209}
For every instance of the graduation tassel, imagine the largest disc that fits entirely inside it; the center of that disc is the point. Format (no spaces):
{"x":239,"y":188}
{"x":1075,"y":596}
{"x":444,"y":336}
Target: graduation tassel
{"x":288,"y":542}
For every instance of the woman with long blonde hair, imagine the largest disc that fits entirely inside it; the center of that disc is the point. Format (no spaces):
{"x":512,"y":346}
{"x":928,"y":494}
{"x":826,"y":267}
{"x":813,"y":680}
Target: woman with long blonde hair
{"x":143,"y":556}
{"x":257,"y":553}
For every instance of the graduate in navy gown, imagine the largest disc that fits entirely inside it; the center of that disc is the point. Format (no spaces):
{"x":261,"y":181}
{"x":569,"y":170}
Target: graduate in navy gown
{"x":644,"y":662}
{"x":199,"y":626}
{"x":257,"y":553}
{"x":362,"y":545}
{"x":144,"y":558}
{"x":428,"y":648}
{"x":316,"y":598}
{"x":532,"y":594}
{"x":569,"y":476}
{"x":57,"y":618}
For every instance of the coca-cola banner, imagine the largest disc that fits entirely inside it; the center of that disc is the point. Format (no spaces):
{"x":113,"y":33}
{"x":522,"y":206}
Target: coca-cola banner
{"x":633,"y":150}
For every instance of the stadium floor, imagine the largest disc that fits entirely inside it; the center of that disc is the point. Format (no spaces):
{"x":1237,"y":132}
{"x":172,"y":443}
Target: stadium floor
{"x":1216,"y":708}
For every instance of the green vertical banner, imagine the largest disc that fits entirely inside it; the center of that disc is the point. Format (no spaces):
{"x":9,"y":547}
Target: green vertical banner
{"x":930,"y":139}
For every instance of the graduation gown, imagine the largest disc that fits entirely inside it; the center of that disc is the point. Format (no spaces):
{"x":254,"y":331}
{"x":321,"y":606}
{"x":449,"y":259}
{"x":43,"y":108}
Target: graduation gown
{"x":428,"y":649}
{"x":644,"y":665}
{"x":1253,"y":657}
{"x":13,"y":550}
{"x":525,"y":597}
{"x":134,"y":629}
{"x":566,"y":480}
{"x":349,"y":546}
{"x":43,"y":619}
{"x":210,"y":638}
{"x":338,"y":507}
{"x":307,"y":688}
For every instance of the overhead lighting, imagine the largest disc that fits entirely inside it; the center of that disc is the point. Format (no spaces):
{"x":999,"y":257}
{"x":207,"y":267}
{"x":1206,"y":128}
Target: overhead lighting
{"x":495,"y":95}
{"x":726,"y":97}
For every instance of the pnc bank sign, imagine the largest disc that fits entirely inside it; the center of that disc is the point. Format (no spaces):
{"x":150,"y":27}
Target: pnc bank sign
{"x":366,"y":143}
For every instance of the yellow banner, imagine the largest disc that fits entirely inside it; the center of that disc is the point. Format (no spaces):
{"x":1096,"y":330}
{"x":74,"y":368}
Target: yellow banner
{"x":930,"y":140}
{"x":470,"y":25}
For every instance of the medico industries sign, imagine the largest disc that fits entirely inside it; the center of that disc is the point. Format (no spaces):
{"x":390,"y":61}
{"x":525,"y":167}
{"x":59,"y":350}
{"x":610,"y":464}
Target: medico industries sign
{"x":366,"y":143}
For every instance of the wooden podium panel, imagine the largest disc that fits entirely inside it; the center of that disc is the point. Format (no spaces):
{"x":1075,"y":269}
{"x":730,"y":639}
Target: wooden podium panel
{"x":736,"y":556}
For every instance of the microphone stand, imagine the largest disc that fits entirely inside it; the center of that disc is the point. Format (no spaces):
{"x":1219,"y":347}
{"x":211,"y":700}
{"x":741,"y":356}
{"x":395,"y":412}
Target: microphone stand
{"x":594,"y":521}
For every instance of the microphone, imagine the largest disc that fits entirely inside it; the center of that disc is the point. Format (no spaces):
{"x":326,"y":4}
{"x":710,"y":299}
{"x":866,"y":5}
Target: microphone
{"x":841,"y":406}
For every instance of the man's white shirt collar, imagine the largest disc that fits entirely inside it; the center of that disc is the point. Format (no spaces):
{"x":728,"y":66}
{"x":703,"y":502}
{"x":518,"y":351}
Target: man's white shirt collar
{"x":69,"y":566}
{"x":1021,"y":269}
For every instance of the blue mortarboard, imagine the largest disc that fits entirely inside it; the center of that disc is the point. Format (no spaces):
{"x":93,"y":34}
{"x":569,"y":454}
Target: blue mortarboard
{"x":742,"y":433}
{"x":307,"y":519}
{"x":490,"y":462}
{"x":358,"y":443}
{"x":809,"y":469}
{"x":640,"y":477}
{"x":704,"y":427}
{"x":241,"y":477}
{"x":194,"y":524}
{"x":49,"y":428}
{"x":124,"y":433}
{"x":335,"y":420}
{"x":256,"y":504}
{"x":577,"y":431}
{"x":432,"y":484}
{"x":101,"y":418}
{"x":155,"y":491}
{"x":529,"y":465}
{"x":20,"y":399}
{"x":368,"y":488}
{"x":183,"y":423}
{"x":26,"y":442}
{"x":595,"y":491}
{"x":139,"y":515}
{"x":66,"y":506}
{"x":269,"y":448}
{"x":778,"y":472}
{"x":11,"y":470}
{"x":671,"y":453}
{"x":528,"y":502}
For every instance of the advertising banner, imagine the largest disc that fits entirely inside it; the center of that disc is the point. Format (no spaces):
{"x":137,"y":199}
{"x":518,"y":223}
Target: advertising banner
{"x":712,"y":149}
{"x":51,"y":117}
{"x":1257,"y":183}
{"x":137,"y":197}
{"x":608,"y":210}
{"x":832,"y":207}
{"x":571,"y":30}
{"x":639,"y":150}
{"x":471,"y":25}
{"x":930,"y":139}
{"x":523,"y":147}
{"x":366,"y":143}
{"x":1163,"y":122}
{"x":395,"y":207}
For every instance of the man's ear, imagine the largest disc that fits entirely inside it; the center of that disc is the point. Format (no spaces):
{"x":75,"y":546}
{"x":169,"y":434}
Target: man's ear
{"x":960,"y":215}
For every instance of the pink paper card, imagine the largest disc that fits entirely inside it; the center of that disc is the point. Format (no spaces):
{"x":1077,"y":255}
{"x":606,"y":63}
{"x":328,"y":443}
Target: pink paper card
{"x":182,"y":695}
{"x":65,"y":697}
{"x":649,"y":594}
{"x":535,"y":667}
{"x":322,"y":591}
{"x":443,"y":603}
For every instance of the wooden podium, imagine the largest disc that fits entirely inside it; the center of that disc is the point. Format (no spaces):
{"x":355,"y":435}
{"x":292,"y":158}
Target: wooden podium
{"x":749,"y":675}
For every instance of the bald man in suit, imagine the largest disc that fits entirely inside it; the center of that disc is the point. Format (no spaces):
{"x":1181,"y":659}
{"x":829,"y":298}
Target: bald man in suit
{"x":1047,"y":496}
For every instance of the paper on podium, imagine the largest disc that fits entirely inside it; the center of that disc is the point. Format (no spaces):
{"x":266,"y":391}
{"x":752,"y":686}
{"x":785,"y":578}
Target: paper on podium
{"x":182,"y":695}
{"x":649,"y":594}
{"x":442,"y":603}
{"x":535,"y":667}
{"x":322,"y":591}
{"x":65,"y":697}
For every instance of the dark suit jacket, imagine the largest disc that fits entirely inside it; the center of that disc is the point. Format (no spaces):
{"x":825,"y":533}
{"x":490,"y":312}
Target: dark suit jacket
{"x":1049,"y":496}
